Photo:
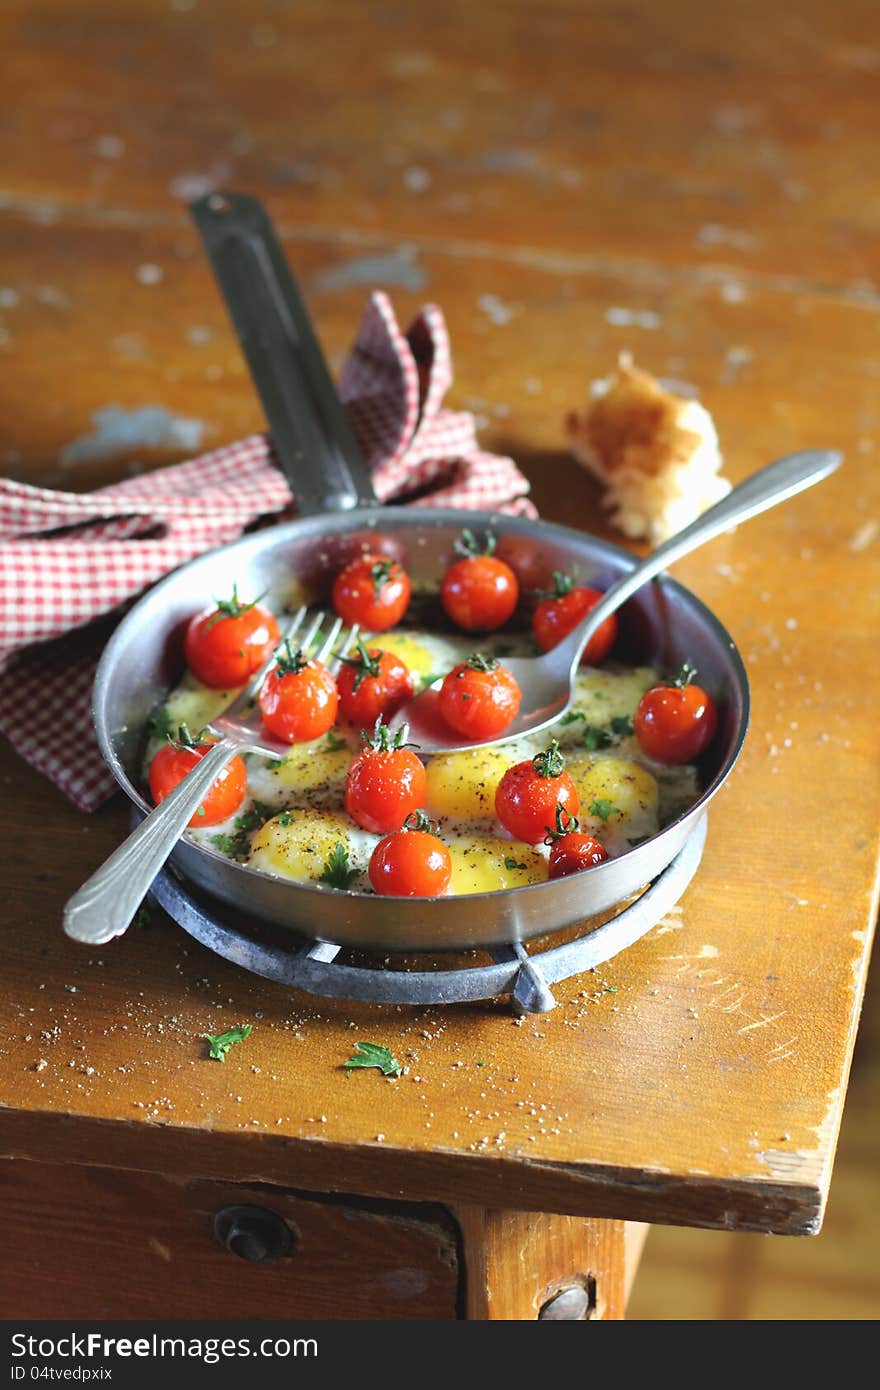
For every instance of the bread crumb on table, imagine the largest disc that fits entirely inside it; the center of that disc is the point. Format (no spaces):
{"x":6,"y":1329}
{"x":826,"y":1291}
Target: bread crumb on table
{"x":656,"y":452}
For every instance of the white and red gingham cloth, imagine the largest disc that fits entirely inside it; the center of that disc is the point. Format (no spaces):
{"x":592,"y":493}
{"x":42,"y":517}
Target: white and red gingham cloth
{"x":68,"y":560}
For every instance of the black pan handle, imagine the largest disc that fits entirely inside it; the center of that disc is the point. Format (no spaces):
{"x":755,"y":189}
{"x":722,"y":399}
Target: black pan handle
{"x":313,"y":436}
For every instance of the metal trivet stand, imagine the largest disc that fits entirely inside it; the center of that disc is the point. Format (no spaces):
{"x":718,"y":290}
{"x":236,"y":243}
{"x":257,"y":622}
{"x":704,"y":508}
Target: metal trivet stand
{"x":311,"y":965}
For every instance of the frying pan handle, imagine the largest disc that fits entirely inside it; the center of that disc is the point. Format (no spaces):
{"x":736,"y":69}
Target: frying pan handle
{"x":313,"y":437}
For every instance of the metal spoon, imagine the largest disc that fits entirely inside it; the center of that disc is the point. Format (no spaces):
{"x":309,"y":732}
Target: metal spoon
{"x":547,"y":682}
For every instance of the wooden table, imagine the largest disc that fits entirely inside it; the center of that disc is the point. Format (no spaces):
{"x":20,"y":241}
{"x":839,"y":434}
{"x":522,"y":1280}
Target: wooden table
{"x":566,"y":181}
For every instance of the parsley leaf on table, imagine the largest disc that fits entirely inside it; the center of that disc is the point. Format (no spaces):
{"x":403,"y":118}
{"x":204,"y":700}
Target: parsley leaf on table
{"x":367,"y":1054}
{"x":220,"y":1043}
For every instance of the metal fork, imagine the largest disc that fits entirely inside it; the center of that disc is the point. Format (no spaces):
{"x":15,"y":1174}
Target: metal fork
{"x":106,"y":903}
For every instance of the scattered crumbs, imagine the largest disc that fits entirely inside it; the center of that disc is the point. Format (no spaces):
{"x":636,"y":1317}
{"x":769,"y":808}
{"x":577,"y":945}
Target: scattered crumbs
{"x":791,"y":624}
{"x":109,"y":147}
{"x":380,"y":1138}
{"x":417,"y":180}
{"x":712,"y":234}
{"x":632,"y":318}
{"x":732,"y":292}
{"x":495,"y":309}
{"x":72,"y":989}
{"x":149,"y":274}
{"x":41,"y":1065}
{"x":864,"y":536}
{"x":198,"y":335}
{"x":8,"y":298}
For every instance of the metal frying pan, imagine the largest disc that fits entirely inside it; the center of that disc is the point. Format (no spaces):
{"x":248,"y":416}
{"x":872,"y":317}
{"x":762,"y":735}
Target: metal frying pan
{"x":664,"y":624}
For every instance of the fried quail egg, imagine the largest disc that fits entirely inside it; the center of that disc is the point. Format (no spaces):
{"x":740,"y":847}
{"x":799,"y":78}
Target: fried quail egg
{"x":297,"y":844}
{"x":618,"y":800}
{"x":486,"y":863}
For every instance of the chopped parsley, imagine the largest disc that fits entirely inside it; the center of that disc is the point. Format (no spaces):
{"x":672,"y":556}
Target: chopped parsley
{"x":142,"y":916}
{"x":237,"y":845}
{"x":603,"y":808}
{"x":159,"y":724}
{"x":367,"y":1054}
{"x":273,"y":764}
{"x":333,"y":742}
{"x":510,"y":863}
{"x":596,"y":738}
{"x":621,"y":725}
{"x":337,"y":871}
{"x":233,"y":846}
{"x":220,"y":1043}
{"x":572,"y":716}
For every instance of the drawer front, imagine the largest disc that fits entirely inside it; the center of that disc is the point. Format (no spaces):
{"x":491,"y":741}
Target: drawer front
{"x":100,"y":1242}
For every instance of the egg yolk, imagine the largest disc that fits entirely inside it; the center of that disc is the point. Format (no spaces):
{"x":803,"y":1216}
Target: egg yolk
{"x":297,"y":844}
{"x":483,"y":864}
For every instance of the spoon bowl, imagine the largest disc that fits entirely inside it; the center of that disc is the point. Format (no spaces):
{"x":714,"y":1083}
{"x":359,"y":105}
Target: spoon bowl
{"x":547,"y":682}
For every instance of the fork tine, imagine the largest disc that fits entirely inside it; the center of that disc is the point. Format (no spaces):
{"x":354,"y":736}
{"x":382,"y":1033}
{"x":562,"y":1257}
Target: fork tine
{"x":327,"y":640}
{"x":314,"y":628}
{"x":348,"y":640}
{"x":292,"y":627}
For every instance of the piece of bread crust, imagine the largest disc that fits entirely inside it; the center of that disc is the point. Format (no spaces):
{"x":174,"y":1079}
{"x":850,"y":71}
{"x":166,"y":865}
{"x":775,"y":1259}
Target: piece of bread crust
{"x":656,"y":452}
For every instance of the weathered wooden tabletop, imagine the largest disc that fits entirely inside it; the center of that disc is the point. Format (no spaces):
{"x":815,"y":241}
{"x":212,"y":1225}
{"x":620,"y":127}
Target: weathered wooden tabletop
{"x":566,"y":181}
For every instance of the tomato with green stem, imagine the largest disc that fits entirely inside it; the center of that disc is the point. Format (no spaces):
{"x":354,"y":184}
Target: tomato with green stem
{"x":413,"y":862}
{"x":385,"y":783}
{"x":225,"y":645}
{"x":562,"y":609}
{"x":177,"y":758}
{"x":298,"y":699}
{"x":373,"y":591}
{"x":372,"y":684}
{"x":676,"y":722}
{"x":571,"y":849}
{"x":479,"y":592}
{"x":529,"y":792}
{"x":479,"y":697}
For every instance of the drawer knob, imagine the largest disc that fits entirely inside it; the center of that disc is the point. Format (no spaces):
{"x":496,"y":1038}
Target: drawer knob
{"x":253,"y":1233}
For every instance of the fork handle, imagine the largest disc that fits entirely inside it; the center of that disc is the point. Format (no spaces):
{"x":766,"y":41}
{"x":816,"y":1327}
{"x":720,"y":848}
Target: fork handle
{"x":106,"y":903}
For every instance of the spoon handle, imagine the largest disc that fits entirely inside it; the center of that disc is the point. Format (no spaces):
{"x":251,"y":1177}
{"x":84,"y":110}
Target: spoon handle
{"x":762,"y":490}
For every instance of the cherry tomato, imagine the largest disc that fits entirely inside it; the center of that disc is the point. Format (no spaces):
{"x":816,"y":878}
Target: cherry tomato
{"x":298,"y":699}
{"x":385,"y":782}
{"x":373,"y":591}
{"x":559,"y":612}
{"x":571,"y":850}
{"x":172,"y":762}
{"x":675,"y":723}
{"x":411,"y":863}
{"x":529,"y":792}
{"x":479,"y":697}
{"x":225,"y":645}
{"x":479,"y":592}
{"x":372,"y":685}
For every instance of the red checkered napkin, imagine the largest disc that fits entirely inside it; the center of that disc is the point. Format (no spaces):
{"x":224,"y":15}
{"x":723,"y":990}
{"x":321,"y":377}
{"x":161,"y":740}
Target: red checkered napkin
{"x":68,"y":560}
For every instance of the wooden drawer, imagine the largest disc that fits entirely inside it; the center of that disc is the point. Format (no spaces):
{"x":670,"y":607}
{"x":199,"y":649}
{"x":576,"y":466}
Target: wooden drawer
{"x":100,"y":1242}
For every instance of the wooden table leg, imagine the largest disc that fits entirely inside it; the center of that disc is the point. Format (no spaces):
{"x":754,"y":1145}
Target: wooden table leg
{"x":517,"y":1263}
